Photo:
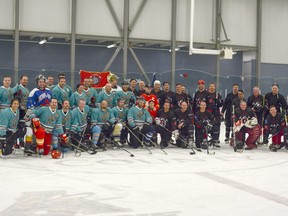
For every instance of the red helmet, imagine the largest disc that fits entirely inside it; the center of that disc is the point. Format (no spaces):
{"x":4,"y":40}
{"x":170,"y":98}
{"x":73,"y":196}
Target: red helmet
{"x":55,"y":154}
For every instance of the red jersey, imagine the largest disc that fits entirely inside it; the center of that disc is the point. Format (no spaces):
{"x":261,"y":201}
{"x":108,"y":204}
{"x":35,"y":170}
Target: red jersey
{"x":153,"y":113}
{"x":151,"y":97}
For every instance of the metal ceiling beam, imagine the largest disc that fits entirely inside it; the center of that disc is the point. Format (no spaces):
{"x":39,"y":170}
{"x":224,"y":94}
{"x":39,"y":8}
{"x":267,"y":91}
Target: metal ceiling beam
{"x":73,"y":42}
{"x":116,"y":20}
{"x":113,"y":58}
{"x":16,"y":42}
{"x":258,"y":41}
{"x":137,"y":15}
{"x":139,"y":65}
{"x":101,"y":41}
{"x":173,"y":43}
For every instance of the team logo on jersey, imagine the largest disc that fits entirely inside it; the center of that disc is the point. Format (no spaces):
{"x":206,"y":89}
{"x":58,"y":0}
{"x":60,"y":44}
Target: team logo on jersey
{"x":95,"y":78}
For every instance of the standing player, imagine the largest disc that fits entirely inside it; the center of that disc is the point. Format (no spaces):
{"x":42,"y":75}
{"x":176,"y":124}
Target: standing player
{"x":108,"y":95}
{"x":50,"y":82}
{"x":157,"y":90}
{"x":256,"y":103}
{"x":6,"y":93}
{"x":40,"y":96}
{"x":91,"y":93}
{"x":126,"y":95}
{"x":167,"y":95}
{"x":21,"y":92}
{"x":132,"y":87}
{"x":148,"y":96}
{"x":61,"y":92}
{"x":141,"y":90}
{"x":241,"y":97}
{"x":199,"y":96}
{"x":214,"y":102}
{"x":227,"y":109}
{"x":179,"y":96}
{"x":76,"y":96}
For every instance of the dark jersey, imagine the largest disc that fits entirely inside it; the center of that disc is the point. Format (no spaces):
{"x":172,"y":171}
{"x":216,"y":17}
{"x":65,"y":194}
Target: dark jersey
{"x":187,"y":117}
{"x":274,"y":124}
{"x":167,"y":96}
{"x":256,"y":103}
{"x":244,"y":115}
{"x":214,"y":101}
{"x":135,"y":92}
{"x":236,"y":102}
{"x":198,"y":97}
{"x":201,"y":117}
{"x":228,"y":103}
{"x":277,"y":100}
{"x":178,"y":98}
{"x":167,"y":119}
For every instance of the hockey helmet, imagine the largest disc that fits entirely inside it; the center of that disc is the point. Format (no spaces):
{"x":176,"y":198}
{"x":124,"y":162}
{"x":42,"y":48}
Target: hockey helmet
{"x":40,"y":77}
{"x":55,"y":154}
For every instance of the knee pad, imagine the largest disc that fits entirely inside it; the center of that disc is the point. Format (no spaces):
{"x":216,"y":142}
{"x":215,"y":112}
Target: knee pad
{"x":117,"y":129}
{"x":40,"y":134}
{"x":96,"y":129}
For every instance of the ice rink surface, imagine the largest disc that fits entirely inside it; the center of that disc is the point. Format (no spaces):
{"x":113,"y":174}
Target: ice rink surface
{"x":113,"y":183}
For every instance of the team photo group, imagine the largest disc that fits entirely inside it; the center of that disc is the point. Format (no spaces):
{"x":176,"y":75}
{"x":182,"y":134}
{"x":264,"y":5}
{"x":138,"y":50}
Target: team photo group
{"x":52,"y":119}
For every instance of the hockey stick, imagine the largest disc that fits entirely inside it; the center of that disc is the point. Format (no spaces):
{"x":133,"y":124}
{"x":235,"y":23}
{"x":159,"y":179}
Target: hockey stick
{"x":191,"y":147}
{"x":80,"y":142}
{"x":124,"y":124}
{"x":208,"y":143}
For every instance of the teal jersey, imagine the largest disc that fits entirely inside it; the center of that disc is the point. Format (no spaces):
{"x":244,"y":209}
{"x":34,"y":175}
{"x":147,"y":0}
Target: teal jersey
{"x":120,"y":114}
{"x":90,"y":92}
{"x":138,"y":116}
{"x":128,"y":96}
{"x":79,"y":119}
{"x":69,"y":90}
{"x":66,"y":119}
{"x":8,"y":120}
{"x":75,"y":97}
{"x":22,"y":93}
{"x":100,"y":117}
{"x":60,"y":94}
{"x":49,"y":119}
{"x":110,"y":98}
{"x":6,"y":95}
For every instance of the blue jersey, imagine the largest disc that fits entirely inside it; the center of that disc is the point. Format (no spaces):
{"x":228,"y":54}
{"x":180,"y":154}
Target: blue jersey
{"x":39,"y":97}
{"x":100,"y":117}
{"x":138,"y":116}
{"x":6,"y":96}
{"x":8,"y":120}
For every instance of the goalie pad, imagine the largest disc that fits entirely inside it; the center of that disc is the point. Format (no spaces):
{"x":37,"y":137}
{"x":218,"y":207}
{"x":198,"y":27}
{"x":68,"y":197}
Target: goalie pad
{"x":251,"y":123}
{"x":36,"y":123}
{"x":40,"y":135}
{"x":117,"y":132}
{"x":254,"y":134}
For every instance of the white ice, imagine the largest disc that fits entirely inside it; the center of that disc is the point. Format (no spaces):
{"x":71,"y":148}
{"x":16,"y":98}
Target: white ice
{"x":112,"y":183}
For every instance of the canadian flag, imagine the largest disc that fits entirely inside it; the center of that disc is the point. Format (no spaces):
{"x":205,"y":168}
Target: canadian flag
{"x":99,"y":79}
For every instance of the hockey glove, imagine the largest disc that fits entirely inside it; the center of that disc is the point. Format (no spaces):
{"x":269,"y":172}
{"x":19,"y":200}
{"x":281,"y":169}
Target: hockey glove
{"x":106,"y":126}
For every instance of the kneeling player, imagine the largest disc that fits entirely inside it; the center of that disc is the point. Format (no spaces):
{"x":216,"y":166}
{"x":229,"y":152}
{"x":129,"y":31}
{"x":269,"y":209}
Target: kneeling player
{"x":165,"y":124}
{"x":203,"y":126}
{"x":47,"y":128}
{"x":275,"y":125}
{"x":139,"y":121}
{"x":185,"y":125}
{"x":9,"y":133}
{"x":246,"y":122}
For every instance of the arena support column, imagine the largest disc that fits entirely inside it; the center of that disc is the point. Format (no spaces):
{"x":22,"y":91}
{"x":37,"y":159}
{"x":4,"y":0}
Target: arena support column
{"x":16,"y":43}
{"x":73,"y":44}
{"x":258,"y":42}
{"x":125,"y":38}
{"x":173,"y":43}
{"x":218,"y":40}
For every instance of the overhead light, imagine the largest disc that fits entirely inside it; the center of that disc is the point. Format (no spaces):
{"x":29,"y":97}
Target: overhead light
{"x":43,"y":41}
{"x":111,"y":46}
{"x":176,"y":49}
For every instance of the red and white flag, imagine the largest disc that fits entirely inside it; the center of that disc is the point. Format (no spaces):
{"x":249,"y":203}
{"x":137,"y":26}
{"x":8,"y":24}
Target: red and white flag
{"x":100,"y":79}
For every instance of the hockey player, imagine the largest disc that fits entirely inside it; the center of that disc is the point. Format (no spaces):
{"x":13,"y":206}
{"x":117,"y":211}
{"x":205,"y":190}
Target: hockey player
{"x":69,"y":89}
{"x":165,"y":124}
{"x":9,"y":118}
{"x":152,"y":110}
{"x":256,"y":103}
{"x":104,"y":118}
{"x":141,"y":88}
{"x":200,"y":95}
{"x":91,"y":93}
{"x":227,"y":109}
{"x":47,"y":128}
{"x":139,"y":121}
{"x":148,"y":96}
{"x":204,"y":121}
{"x":76,"y":96}
{"x":189,"y":97}
{"x":127,"y":95}
{"x":113,"y":80}
{"x":275,"y":125}
{"x":167,"y":95}
{"x":185,"y":125}
{"x":157,"y":90}
{"x":179,"y":96}
{"x":21,"y":92}
{"x":6,"y":93}
{"x":61,"y":92}
{"x":40,"y":96}
{"x":50,"y":82}
{"x":214,"y":102}
{"x":241,"y":97}
{"x":246,"y":122}
{"x":276,"y":99}
{"x":66,"y":116}
{"x":80,"y":127}
{"x":120,"y":113}
{"x":132,"y":87}
{"x":107,"y":95}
